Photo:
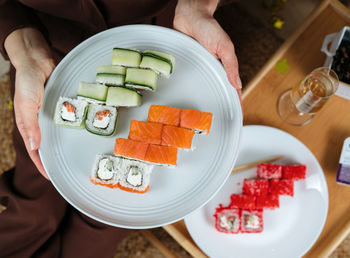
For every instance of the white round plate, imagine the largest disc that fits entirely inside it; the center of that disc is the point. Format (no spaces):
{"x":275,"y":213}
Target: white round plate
{"x":288,"y":231}
{"x":198,"y":82}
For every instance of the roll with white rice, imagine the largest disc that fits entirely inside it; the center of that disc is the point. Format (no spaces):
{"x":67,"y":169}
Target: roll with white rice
{"x":70,"y":112}
{"x":101,"y":120}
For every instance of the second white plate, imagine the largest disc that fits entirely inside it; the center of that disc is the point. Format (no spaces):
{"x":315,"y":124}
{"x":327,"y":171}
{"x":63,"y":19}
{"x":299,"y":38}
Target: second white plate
{"x":288,"y":231}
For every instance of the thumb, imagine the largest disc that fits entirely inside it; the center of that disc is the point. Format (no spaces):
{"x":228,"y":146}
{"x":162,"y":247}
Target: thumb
{"x":26,"y":114}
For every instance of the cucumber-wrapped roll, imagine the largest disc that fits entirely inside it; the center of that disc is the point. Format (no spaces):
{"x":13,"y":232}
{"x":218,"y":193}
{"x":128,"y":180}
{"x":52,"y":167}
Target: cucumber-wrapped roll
{"x":70,"y":112}
{"x":113,"y":75}
{"x":101,"y":120}
{"x":92,"y":92}
{"x":126,"y":57}
{"x":141,"y":79}
{"x":123,"y":97}
{"x":162,"y":63}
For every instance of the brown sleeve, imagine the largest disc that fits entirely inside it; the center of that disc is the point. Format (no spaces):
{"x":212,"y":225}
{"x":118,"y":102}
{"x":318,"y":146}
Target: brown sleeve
{"x":13,"y":16}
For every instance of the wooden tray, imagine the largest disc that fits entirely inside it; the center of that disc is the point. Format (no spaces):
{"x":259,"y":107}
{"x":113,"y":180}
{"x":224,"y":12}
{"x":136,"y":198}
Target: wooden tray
{"x":324,"y":135}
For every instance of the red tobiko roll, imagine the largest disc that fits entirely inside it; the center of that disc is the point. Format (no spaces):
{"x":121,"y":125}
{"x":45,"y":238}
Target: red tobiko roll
{"x":282,"y":186}
{"x":227,"y":220}
{"x":270,"y":201}
{"x":256,"y":187}
{"x":268,"y":171}
{"x":252,"y":221}
{"x":296,"y":172}
{"x":242,"y":201}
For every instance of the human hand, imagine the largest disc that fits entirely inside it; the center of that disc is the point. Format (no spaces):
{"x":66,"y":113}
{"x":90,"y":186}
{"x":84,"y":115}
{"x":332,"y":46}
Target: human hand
{"x":195,"y":18}
{"x":30,"y":55}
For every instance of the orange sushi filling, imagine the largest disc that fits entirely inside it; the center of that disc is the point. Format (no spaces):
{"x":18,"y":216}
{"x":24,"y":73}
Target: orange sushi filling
{"x":70,"y":108}
{"x":102,"y":114}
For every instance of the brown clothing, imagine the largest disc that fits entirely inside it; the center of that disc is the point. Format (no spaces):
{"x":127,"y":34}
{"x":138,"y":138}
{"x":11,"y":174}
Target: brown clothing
{"x":65,"y":23}
{"x":38,"y":222}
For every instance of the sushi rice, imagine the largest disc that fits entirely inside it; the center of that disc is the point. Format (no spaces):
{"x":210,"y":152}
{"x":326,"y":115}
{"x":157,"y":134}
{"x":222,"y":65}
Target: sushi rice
{"x":70,"y":112}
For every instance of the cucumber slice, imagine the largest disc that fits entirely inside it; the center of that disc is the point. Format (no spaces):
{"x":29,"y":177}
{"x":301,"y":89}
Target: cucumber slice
{"x":95,"y":91}
{"x":123,"y":97}
{"x":159,"y":65}
{"x":114,"y":69}
{"x":110,"y":79}
{"x":161,"y":55}
{"x":126,"y":57}
{"x":143,"y":79}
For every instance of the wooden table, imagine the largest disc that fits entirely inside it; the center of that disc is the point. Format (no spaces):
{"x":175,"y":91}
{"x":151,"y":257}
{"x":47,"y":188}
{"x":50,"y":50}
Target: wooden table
{"x":325,"y":134}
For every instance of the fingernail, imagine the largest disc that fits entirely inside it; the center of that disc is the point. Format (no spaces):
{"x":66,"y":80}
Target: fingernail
{"x":239,"y":82}
{"x":31,"y":143}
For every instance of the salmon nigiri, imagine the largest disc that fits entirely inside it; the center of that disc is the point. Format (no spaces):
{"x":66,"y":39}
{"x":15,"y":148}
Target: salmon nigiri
{"x":145,"y":132}
{"x":161,"y":155}
{"x":196,"y":120}
{"x":130,"y":149}
{"x":177,"y":137}
{"x":164,"y":115}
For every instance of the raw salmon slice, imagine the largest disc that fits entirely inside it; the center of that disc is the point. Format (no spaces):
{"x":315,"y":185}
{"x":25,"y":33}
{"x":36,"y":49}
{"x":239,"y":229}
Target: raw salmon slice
{"x":130,"y":148}
{"x":177,"y":137}
{"x":196,"y":120}
{"x":164,"y":115}
{"x":145,"y":132}
{"x":161,"y":155}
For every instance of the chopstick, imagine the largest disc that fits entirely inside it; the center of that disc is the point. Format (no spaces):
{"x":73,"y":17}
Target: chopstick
{"x":255,"y":163}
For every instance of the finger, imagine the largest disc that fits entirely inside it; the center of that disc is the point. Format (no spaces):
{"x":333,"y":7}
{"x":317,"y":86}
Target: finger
{"x":34,"y":155}
{"x":26,"y":112}
{"x":227,"y":55}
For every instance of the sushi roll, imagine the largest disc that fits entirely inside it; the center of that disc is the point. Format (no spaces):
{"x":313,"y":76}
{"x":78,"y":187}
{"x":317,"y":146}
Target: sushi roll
{"x":162,"y":63}
{"x":164,"y":115}
{"x":141,"y":79}
{"x":227,"y":220}
{"x":113,"y":75}
{"x":123,"y":97}
{"x":134,"y":176}
{"x":177,"y":137}
{"x":92,"y":92}
{"x":126,"y":57}
{"x":196,"y":120}
{"x":269,"y":171}
{"x":282,"y":186}
{"x":252,"y":221}
{"x":270,"y":201}
{"x":101,"y":120}
{"x":131,"y":149}
{"x":70,"y":112}
{"x":256,"y":187}
{"x":104,"y":171}
{"x":296,"y":172}
{"x":242,"y":201}
{"x":161,"y":155}
{"x":146,"y":132}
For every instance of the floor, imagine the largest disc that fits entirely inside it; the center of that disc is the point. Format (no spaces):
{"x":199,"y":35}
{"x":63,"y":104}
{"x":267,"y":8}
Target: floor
{"x":255,"y":26}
